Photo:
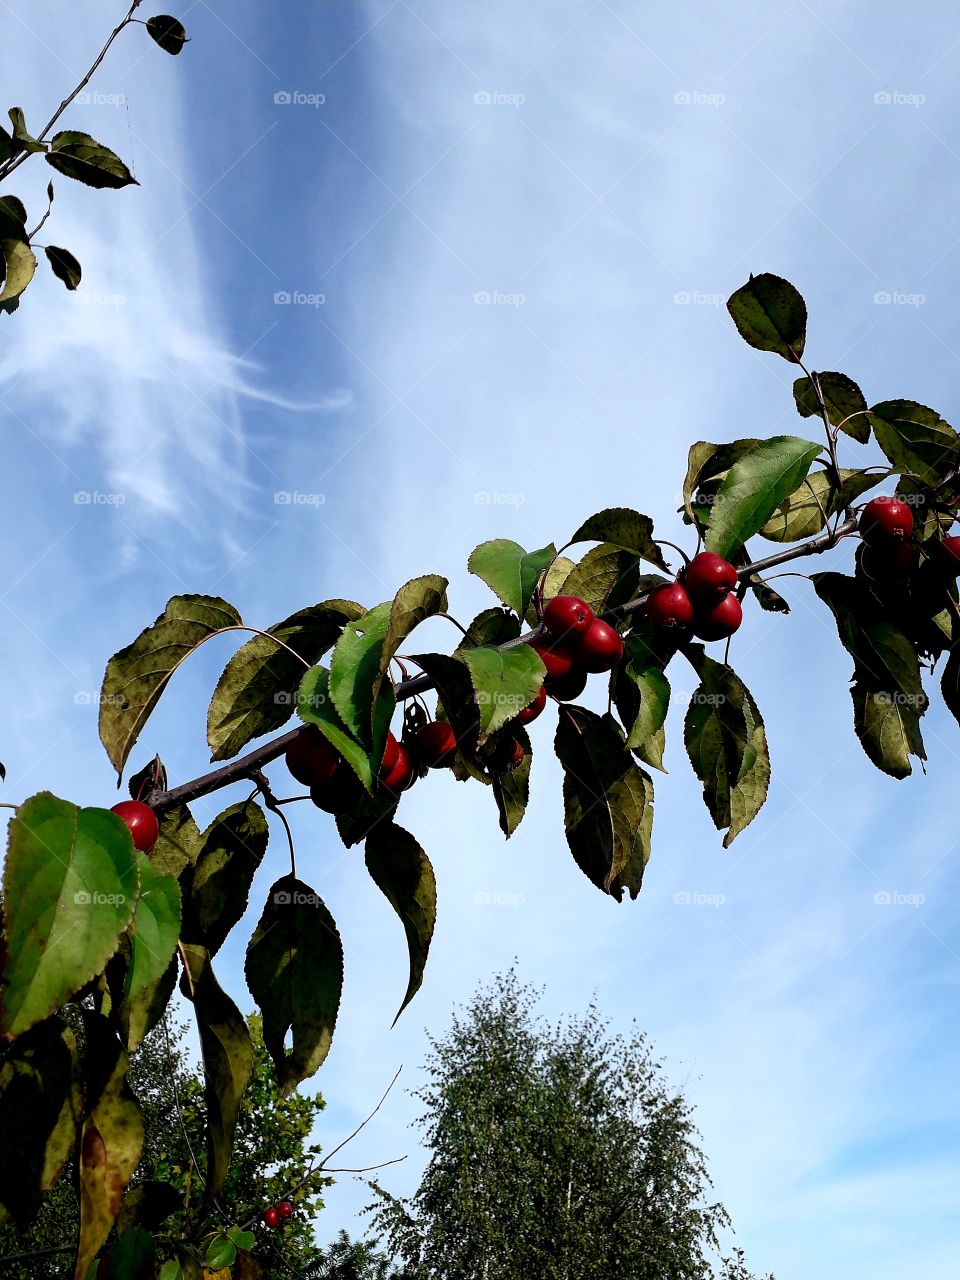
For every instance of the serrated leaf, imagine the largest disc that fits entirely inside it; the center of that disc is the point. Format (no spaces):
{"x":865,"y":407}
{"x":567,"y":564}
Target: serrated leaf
{"x":69,"y":887}
{"x":171,"y":36}
{"x":217,"y":887}
{"x":916,"y":439}
{"x":608,"y":576}
{"x":154,"y":932}
{"x":294,"y":969}
{"x":882,"y":653}
{"x":64,"y":266}
{"x":556,"y":575}
{"x":416,"y":600}
{"x":137,"y":675}
{"x":23,"y":141}
{"x":504,"y":682}
{"x":623,"y":527}
{"x":511,"y":790}
{"x":178,"y":843}
{"x":40,"y":1113}
{"x":20,"y":264}
{"x":800,"y":515}
{"x":77,"y":155}
{"x":257,"y":692}
{"x":510,"y":571}
{"x":707,"y":465}
{"x":227,"y":1063}
{"x":726,"y":742}
{"x":843,"y":400}
{"x":753,"y":489}
{"x":355,"y":825}
{"x":402,"y":872}
{"x":888,"y":726}
{"x":608,"y":806}
{"x":492,"y":626}
{"x":355,"y":671}
{"x":220,"y":1252}
{"x":455,"y":689}
{"x":770,"y":315}
{"x":315,"y":706}
{"x":645,"y":735}
{"x":112,"y":1138}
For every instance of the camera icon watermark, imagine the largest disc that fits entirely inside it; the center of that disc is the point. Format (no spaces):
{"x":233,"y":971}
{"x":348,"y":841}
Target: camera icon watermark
{"x":894,"y":898}
{"x":298,"y":298}
{"x":84,"y":899}
{"x":496,"y":98}
{"x":897,"y":98}
{"x":296,"y":98}
{"x":294,"y":498}
{"x":897,"y":298}
{"x":284,"y":898}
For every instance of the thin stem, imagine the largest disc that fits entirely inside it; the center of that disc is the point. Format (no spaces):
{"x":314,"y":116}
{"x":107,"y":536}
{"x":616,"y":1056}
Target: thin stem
{"x":463,"y":631}
{"x":273,"y":804}
{"x":662,"y":542}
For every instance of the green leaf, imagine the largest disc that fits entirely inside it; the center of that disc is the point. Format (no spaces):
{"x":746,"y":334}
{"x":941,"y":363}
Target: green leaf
{"x":20,"y":264}
{"x":504,"y":682}
{"x":137,"y":675}
{"x":608,"y":802}
{"x":40,"y":1112}
{"x":512,"y":790}
{"x":800,"y":515}
{"x":623,"y":527}
{"x":493,"y":626}
{"x":242,"y":1239}
{"x":556,"y":575}
{"x":171,"y":36}
{"x":21,"y":136}
{"x":884,"y":656}
{"x":77,"y":155}
{"x":257,"y":692}
{"x":227,"y":1063}
{"x":112,"y":1137}
{"x":69,"y":887}
{"x":154,"y":931}
{"x":402,"y":872}
{"x":608,"y":576}
{"x":294,"y":970}
{"x":64,"y":265}
{"x":416,"y":600}
{"x":842,"y":399}
{"x":509,"y":571}
{"x":315,"y":706}
{"x":355,"y":671}
{"x":148,"y":1205}
{"x":753,"y":489}
{"x":355,"y":825}
{"x":455,"y":689}
{"x":770,"y":315}
{"x":727,"y":745}
{"x":178,"y":843}
{"x":888,"y":726}
{"x":707,"y":465}
{"x":220,"y":1252}
{"x":132,"y":1256}
{"x":217,"y":887}
{"x":916,"y":439}
{"x":13,"y":218}
{"x":645,"y":734}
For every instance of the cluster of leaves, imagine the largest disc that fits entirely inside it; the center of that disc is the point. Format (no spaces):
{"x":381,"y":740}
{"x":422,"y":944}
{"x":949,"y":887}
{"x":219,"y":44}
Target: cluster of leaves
{"x":71,"y":153}
{"x":87,"y":914}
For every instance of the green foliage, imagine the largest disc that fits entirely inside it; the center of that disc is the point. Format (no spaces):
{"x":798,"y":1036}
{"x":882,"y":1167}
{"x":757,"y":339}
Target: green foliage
{"x":770,"y":315}
{"x":754,"y":487}
{"x":843,"y":403}
{"x":509,"y":571}
{"x":624,"y":528}
{"x":402,"y":872}
{"x":554,"y":1152}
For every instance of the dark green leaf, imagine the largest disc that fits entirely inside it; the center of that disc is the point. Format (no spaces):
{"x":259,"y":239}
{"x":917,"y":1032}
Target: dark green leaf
{"x":64,"y":265}
{"x":608,"y":576}
{"x":842,"y":399}
{"x":707,"y":465}
{"x":883,"y":654}
{"x":888,"y":726}
{"x":154,"y":932}
{"x":753,"y":489}
{"x":22,"y":140}
{"x":13,"y":219}
{"x":132,"y":1256}
{"x":77,"y":155}
{"x":294,"y":970}
{"x":624,"y":528}
{"x":770,"y":315}
{"x":147,"y":1205}
{"x":415,"y":601}
{"x":493,"y":626}
{"x":608,"y":802}
{"x":257,"y":692}
{"x":171,"y":36}
{"x":402,"y":872}
{"x":455,"y":689}
{"x":504,"y":682}
{"x":217,"y":887}
{"x":916,"y":439}
{"x":69,"y":887}
{"x":355,"y":671}
{"x":316,"y":707}
{"x":178,"y":843}
{"x":137,"y":675}
{"x":511,"y":790}
{"x":800,"y":515}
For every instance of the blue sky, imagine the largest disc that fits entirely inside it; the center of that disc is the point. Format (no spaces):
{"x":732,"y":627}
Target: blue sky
{"x":620,"y":157}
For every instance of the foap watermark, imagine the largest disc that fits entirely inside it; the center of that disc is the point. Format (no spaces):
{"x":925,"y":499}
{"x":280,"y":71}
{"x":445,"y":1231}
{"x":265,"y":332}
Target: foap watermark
{"x":86,"y":498}
{"x":284,"y":898}
{"x":897,"y":298}
{"x":898,"y":698}
{"x":486,"y":898}
{"x":294,"y":498}
{"x":694,"y":298}
{"x":88,"y":698}
{"x":97,"y":98}
{"x":497,"y":98}
{"x":689,"y":898}
{"x":84,"y":899}
{"x":496,"y":498}
{"x":85,"y":299}
{"x":894,"y":898}
{"x":297,"y":98}
{"x":698,"y":98}
{"x":897,"y":98}
{"x":298,"y":298}
{"x":497,"y":298}
{"x":701,"y":698}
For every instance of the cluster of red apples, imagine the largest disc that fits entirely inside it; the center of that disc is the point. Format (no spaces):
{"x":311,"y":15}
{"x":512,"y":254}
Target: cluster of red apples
{"x":277,"y":1214}
{"x":888,"y":555}
{"x":702,"y":598}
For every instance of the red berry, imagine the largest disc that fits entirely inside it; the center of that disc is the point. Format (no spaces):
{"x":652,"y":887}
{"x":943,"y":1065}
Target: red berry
{"x":310,"y":757}
{"x":402,"y":774}
{"x":533,"y":709}
{"x":391,"y":751}
{"x":719,"y":620}
{"x":670,"y":606}
{"x":436,"y":744}
{"x":599,"y":648}
{"x":285,"y":1209}
{"x":556,"y":655}
{"x":508,"y":756}
{"x":885,"y":520}
{"x":890,"y":563}
{"x":567,"y":617}
{"x":338,"y":793}
{"x":708,"y":577}
{"x":566,"y":688}
{"x":947,"y":555}
{"x":141,"y":821}
{"x":271,"y":1217}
